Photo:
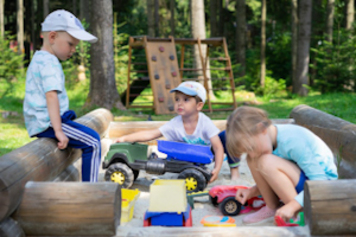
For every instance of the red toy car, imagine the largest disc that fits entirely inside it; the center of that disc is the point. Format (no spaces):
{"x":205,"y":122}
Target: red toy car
{"x":224,"y":197}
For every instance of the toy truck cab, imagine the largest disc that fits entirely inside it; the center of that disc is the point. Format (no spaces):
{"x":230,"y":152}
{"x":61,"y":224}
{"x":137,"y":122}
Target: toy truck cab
{"x":124,"y":161}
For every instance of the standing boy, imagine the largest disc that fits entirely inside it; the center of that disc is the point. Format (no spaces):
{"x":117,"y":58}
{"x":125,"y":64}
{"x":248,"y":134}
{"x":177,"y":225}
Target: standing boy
{"x":190,"y":126}
{"x":46,"y":105}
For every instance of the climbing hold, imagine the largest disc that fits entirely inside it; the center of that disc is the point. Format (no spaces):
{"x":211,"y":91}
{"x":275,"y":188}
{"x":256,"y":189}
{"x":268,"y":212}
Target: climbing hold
{"x":168,"y":86}
{"x":174,"y":74}
{"x":161,"y":48}
{"x":171,"y":108}
{"x":161,"y":99}
{"x":171,"y":57}
{"x":154,"y":58}
{"x":156,"y":76}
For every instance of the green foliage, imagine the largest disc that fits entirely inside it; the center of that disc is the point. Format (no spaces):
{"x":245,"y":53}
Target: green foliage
{"x":272,"y":88}
{"x":11,"y":63}
{"x":335,"y":70}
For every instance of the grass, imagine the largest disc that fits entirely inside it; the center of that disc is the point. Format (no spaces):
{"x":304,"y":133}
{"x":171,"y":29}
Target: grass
{"x":13,"y":133}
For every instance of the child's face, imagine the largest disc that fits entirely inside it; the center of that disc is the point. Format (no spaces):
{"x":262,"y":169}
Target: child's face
{"x":63,"y":45}
{"x":186,"y":105}
{"x":261,"y":144}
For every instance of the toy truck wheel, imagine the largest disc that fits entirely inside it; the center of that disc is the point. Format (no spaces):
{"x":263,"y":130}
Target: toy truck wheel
{"x":194,"y":180}
{"x":230,"y":206}
{"x":120,"y":173}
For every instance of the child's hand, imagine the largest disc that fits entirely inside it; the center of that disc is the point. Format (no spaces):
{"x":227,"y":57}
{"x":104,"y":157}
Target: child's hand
{"x":214,"y":176}
{"x":242,"y":195}
{"x":62,"y":140}
{"x":289,"y":210}
{"x":120,"y":139}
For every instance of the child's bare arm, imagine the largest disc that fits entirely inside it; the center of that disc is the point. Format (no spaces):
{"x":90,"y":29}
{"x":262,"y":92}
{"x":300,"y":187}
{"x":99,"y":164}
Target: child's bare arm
{"x":219,"y":156}
{"x":55,"y":117}
{"x":142,"y":136}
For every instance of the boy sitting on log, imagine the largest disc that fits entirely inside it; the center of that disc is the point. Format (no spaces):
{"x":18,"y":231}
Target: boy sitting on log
{"x":46,"y":105}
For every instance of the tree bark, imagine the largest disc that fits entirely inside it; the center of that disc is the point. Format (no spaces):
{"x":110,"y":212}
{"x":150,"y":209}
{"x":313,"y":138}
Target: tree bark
{"x":156,"y":17}
{"x":103,"y":92}
{"x":263,"y":42}
{"x":198,"y":31}
{"x":305,"y":10}
{"x":350,"y":14}
{"x":150,"y":18}
{"x":294,"y":38}
{"x":45,"y":8}
{"x":241,"y":35}
{"x":213,"y":18}
{"x":330,"y":20}
{"x":2,"y":23}
{"x":20,"y":27}
{"x":172,"y":23}
{"x":329,"y":207}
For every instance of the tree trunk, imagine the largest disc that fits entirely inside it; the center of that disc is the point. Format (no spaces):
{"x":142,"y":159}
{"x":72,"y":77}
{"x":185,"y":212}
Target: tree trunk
{"x":2,"y":23}
{"x":350,"y":14}
{"x":263,"y":42}
{"x":103,"y":92}
{"x":221,"y":18}
{"x":150,"y":18}
{"x":213,"y":18}
{"x":74,"y":5}
{"x":45,"y":8}
{"x":305,"y":10}
{"x":294,"y":38}
{"x":172,"y":8}
{"x":156,"y":17}
{"x":20,"y":27}
{"x":85,"y":11}
{"x":241,"y":35}
{"x":330,"y":20}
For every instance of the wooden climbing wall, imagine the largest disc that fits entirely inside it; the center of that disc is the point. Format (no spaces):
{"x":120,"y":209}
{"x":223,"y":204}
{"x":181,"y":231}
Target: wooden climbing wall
{"x":163,"y":72}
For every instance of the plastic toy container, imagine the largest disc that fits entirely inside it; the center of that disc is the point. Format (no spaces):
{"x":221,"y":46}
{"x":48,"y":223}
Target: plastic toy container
{"x":186,"y":152}
{"x":168,"y":195}
{"x":129,"y":198}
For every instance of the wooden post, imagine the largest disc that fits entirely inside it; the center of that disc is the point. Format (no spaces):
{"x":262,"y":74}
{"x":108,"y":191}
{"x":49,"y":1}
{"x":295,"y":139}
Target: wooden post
{"x":70,"y":209}
{"x":10,"y":228}
{"x":330,"y":207}
{"x":40,"y":160}
{"x":337,"y":133}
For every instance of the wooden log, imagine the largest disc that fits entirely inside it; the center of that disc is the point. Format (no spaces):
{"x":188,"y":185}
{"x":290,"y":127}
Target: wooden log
{"x":10,"y":228}
{"x":70,"y":209}
{"x":70,"y":174}
{"x":118,"y":129}
{"x":338,"y":134}
{"x":330,"y":207}
{"x":257,"y":231}
{"x":40,"y":160}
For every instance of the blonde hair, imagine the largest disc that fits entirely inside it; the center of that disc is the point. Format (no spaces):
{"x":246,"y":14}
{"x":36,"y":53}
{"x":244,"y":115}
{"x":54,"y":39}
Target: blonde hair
{"x":244,"y":123}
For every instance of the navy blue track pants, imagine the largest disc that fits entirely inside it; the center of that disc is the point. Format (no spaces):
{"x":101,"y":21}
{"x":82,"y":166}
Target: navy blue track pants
{"x":80,"y":137}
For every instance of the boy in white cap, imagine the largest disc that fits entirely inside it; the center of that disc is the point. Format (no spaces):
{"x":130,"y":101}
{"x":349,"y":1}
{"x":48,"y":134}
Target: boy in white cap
{"x":46,"y":105}
{"x":190,"y":126}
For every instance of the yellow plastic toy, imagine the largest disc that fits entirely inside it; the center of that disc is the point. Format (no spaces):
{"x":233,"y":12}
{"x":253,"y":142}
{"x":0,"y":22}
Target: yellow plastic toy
{"x":128,"y":199}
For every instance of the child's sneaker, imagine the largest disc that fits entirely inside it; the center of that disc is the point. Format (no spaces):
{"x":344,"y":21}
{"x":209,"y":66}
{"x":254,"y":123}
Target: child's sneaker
{"x":260,"y":215}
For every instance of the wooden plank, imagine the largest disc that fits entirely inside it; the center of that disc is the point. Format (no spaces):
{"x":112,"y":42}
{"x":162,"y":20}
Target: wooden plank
{"x":330,"y":207}
{"x":338,"y":134}
{"x":41,"y":160}
{"x":71,"y":208}
{"x":118,"y":129}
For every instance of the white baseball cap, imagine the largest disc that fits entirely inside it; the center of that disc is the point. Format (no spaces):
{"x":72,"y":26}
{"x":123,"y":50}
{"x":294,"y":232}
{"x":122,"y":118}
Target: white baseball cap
{"x":192,"y":88}
{"x":62,"y":20}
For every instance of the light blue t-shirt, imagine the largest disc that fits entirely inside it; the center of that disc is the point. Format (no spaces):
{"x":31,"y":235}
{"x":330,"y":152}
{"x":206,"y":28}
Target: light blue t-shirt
{"x":44,"y":74}
{"x":308,"y":151}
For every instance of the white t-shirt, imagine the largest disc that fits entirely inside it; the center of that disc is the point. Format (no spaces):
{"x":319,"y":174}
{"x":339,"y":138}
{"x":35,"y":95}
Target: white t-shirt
{"x":174,"y":131}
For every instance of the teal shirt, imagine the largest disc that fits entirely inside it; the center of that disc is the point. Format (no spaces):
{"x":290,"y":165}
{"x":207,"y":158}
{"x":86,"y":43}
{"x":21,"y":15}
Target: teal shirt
{"x":308,"y":151}
{"x":44,"y":74}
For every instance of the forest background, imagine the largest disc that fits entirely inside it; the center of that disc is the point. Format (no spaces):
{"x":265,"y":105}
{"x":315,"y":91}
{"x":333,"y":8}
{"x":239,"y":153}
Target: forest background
{"x":287,"y":51}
